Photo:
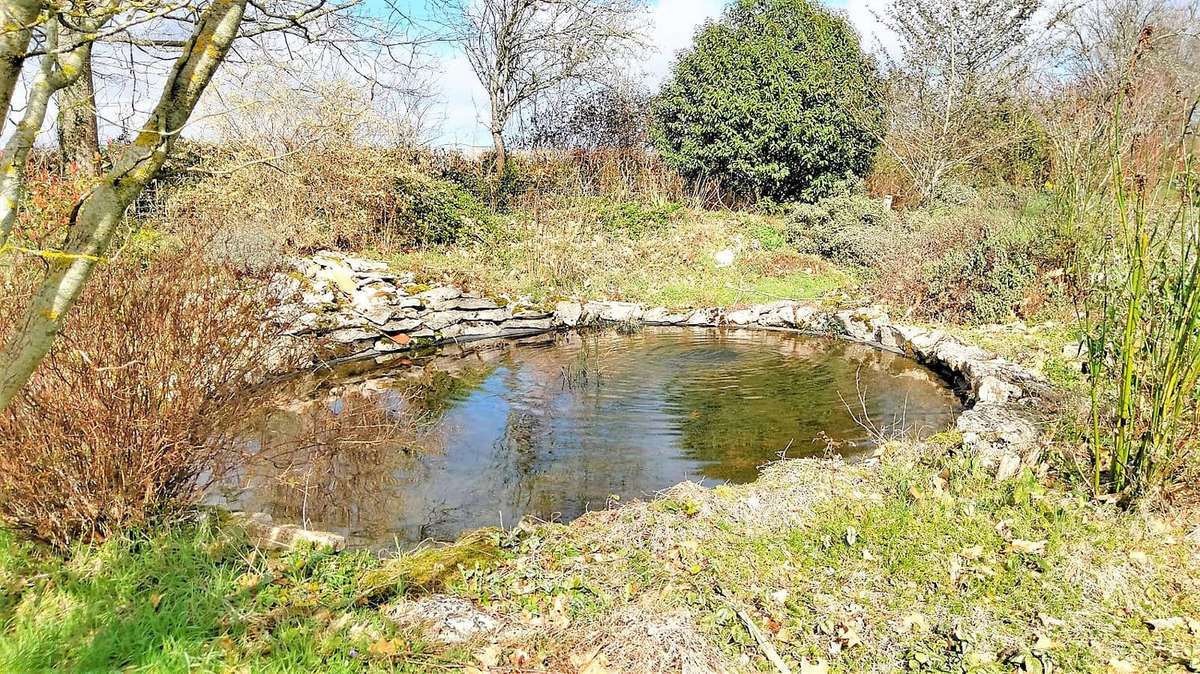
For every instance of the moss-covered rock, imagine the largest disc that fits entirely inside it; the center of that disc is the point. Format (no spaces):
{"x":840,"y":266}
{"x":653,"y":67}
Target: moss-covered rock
{"x":429,"y":570}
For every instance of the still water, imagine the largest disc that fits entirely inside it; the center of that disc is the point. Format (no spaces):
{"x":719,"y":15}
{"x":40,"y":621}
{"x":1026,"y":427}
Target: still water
{"x":429,"y":449}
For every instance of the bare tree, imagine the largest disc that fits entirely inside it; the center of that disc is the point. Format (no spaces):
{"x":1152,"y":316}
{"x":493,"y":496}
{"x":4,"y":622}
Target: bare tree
{"x":959,"y":63}
{"x":61,"y":38}
{"x":523,"y":49}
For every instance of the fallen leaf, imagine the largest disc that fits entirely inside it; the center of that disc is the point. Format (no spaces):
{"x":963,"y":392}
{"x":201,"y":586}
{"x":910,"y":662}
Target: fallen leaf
{"x":851,"y":536}
{"x":1050,"y":621}
{"x":954,"y":569}
{"x":248,"y":581}
{"x":1044,"y":643}
{"x":155,"y":600}
{"x":1116,"y":666}
{"x":401,"y":339}
{"x":779,"y":596}
{"x":489,"y":657}
{"x":1029,"y":547}
{"x":519,"y":658}
{"x":973,"y":552}
{"x":383,"y":647}
{"x":867,"y":555}
{"x":1138,"y":556}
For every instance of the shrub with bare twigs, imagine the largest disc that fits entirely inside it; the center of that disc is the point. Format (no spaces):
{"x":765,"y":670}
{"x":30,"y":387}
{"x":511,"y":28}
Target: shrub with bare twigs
{"x":131,"y":407}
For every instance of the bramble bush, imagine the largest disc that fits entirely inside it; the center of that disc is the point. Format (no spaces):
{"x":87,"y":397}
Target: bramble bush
{"x":770,"y":101}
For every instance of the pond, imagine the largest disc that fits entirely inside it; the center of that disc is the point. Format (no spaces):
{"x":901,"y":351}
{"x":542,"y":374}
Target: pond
{"x":431,"y":448}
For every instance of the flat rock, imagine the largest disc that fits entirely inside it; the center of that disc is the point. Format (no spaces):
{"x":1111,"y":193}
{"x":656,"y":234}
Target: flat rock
{"x":470,"y":304}
{"x":862,"y":325}
{"x":662,"y":316}
{"x":262,"y":532}
{"x":619,"y":312}
{"x":450,"y":619}
{"x":569,"y":313}
{"x":1000,"y":435}
{"x":351,"y":335}
{"x":524,"y":324}
{"x":743,"y":316}
{"x":703,"y":317}
{"x":437,"y":298}
{"x":401,"y":325}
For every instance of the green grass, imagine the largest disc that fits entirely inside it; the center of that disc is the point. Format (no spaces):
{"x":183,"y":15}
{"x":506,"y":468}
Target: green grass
{"x":189,"y":599}
{"x":917,"y":564}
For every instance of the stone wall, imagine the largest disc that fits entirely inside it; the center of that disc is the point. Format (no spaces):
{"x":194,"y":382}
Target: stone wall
{"x":361,"y":310}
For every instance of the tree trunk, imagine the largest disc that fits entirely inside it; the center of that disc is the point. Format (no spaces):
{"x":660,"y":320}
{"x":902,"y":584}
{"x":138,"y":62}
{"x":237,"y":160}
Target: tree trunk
{"x":16,"y":20}
{"x":55,"y":72}
{"x":99,"y":213}
{"x":78,"y":132}
{"x":501,"y":151}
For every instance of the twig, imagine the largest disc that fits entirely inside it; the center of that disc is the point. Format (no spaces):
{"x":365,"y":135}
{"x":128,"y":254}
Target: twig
{"x":766,"y":647}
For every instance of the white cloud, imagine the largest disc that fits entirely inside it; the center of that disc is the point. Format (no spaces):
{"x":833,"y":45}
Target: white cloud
{"x":673,"y":23}
{"x":862,"y":15}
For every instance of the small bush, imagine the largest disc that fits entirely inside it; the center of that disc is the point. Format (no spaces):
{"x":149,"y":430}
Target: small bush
{"x":961,"y":264}
{"x":851,"y":229}
{"x":132,"y":405}
{"x":432,"y":211}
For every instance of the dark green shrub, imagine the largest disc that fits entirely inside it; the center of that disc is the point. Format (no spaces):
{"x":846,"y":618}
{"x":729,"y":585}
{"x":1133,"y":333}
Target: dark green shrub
{"x":851,"y":229}
{"x":432,"y":211}
{"x":775,"y":99}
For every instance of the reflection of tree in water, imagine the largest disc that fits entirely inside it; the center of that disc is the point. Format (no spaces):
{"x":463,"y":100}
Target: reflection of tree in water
{"x":333,"y":460}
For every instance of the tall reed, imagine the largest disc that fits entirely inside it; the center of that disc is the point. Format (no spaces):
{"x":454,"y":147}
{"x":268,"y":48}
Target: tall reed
{"x":1141,"y":324}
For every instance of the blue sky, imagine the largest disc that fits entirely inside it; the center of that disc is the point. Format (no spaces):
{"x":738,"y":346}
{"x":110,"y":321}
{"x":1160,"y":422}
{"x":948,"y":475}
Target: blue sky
{"x":460,"y":112}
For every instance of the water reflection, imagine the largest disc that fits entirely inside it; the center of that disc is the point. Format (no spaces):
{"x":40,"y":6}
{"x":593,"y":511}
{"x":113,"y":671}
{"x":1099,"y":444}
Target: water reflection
{"x":483,"y":438}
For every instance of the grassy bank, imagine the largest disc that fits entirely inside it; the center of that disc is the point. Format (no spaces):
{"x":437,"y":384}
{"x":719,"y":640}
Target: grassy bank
{"x":922,"y":562}
{"x":640,"y":254}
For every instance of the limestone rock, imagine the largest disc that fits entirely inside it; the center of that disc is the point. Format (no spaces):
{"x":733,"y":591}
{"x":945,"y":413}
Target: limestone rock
{"x":742,"y":317}
{"x":1000,"y":435}
{"x":702,"y":317}
{"x":661,"y":316}
{"x":339,"y":277}
{"x":263,"y":533}
{"x":862,"y":325}
{"x":438,"y":298}
{"x":806,"y":317}
{"x":619,"y":312}
{"x":469,"y":304}
{"x":401,"y":325}
{"x":527,"y":324}
{"x":570,"y":313}
{"x":351,"y":335}
{"x":452,"y":620}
